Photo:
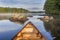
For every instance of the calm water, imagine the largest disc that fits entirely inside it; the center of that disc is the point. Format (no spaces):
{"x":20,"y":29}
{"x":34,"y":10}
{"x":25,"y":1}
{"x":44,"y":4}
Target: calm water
{"x":8,"y":28}
{"x":4,"y":16}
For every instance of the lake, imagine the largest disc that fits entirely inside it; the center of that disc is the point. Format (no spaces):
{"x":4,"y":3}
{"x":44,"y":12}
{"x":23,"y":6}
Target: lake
{"x":4,"y":16}
{"x":8,"y":28}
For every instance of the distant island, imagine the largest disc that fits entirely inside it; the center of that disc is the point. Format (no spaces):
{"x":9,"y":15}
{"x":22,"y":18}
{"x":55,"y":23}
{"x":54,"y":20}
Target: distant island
{"x":18,"y":10}
{"x":13,"y":10}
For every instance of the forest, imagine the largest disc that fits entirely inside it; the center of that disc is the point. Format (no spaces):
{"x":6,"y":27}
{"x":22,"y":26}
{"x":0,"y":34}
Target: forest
{"x":12,"y":10}
{"x":52,"y":7}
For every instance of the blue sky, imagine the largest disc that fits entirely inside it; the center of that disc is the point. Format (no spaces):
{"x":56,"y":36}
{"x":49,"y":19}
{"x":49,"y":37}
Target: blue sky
{"x":28,"y":4}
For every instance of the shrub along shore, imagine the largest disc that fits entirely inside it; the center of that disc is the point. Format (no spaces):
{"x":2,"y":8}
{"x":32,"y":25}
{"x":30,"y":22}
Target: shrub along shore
{"x":54,"y":27}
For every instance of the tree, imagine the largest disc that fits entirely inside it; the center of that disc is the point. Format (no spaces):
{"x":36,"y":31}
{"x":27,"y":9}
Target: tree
{"x":13,"y":10}
{"x":52,"y":7}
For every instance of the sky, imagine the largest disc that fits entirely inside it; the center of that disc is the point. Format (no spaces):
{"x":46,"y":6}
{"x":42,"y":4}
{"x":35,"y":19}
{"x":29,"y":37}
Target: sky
{"x":27,"y":4}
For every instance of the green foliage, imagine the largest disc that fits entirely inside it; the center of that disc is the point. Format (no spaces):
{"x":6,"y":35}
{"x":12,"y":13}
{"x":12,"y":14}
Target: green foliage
{"x":52,"y":7}
{"x":13,"y":10}
{"x":54,"y":27}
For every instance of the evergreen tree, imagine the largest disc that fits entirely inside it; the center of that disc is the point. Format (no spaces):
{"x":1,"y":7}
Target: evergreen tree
{"x":52,"y":7}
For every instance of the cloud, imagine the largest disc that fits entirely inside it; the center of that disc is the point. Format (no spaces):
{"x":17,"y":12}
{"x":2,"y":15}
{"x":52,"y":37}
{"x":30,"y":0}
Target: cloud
{"x":22,"y":3}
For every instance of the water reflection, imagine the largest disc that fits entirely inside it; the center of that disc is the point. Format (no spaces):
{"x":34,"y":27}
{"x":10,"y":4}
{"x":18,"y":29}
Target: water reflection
{"x":8,"y":29}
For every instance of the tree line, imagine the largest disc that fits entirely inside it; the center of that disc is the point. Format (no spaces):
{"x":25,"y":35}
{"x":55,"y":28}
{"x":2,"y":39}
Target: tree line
{"x":12,"y":10}
{"x":52,"y":7}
